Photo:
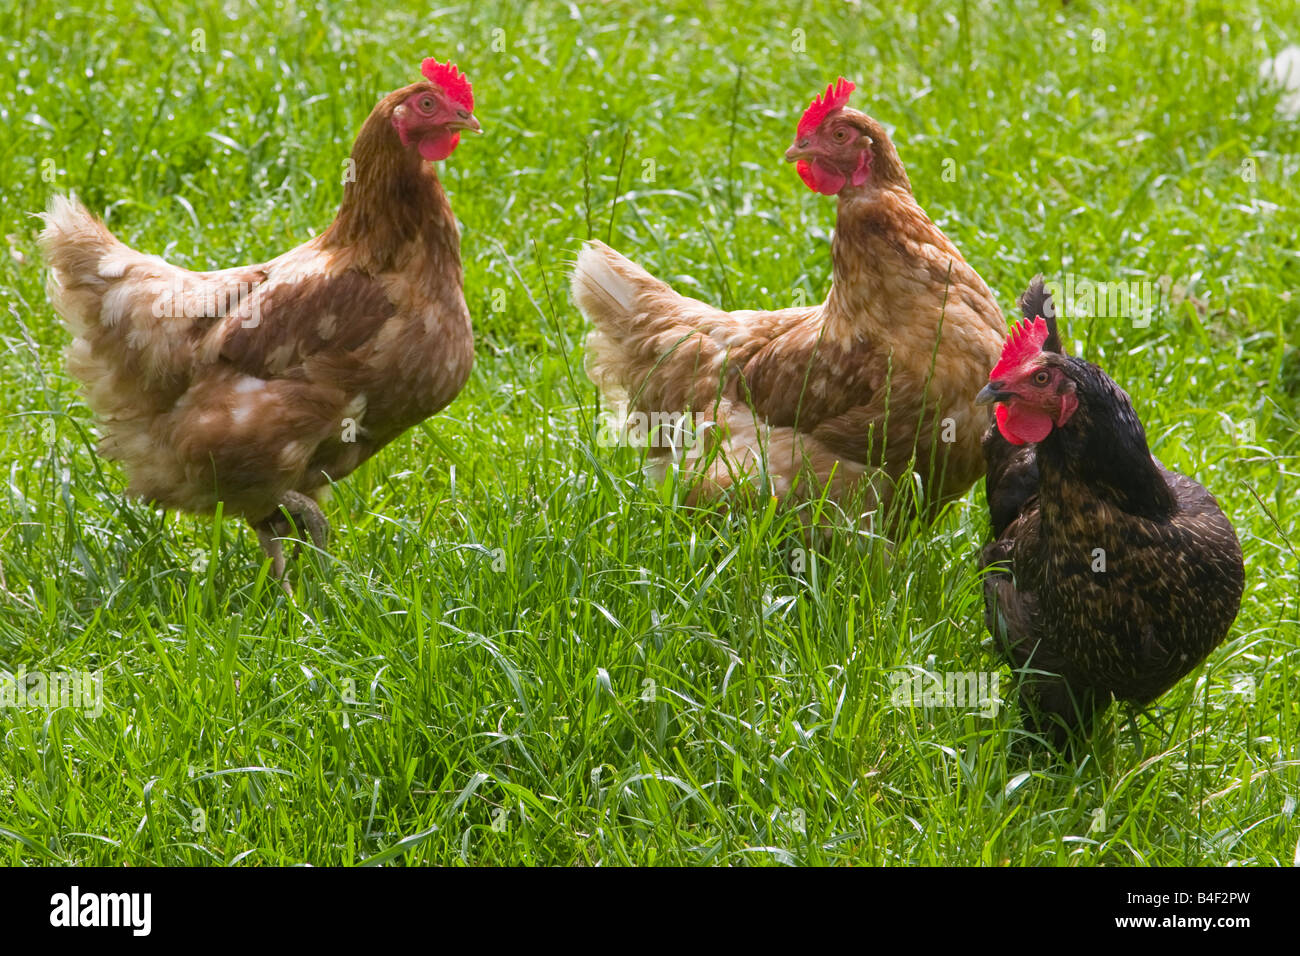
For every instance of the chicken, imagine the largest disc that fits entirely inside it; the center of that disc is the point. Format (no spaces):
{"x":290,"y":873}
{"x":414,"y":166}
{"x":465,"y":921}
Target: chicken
{"x":257,"y":386}
{"x":850,"y":396}
{"x":1109,"y":575}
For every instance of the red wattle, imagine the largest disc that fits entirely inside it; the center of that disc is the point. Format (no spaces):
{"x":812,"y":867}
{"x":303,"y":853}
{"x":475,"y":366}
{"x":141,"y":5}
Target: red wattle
{"x":805,"y":173}
{"x":1022,"y":424}
{"x":819,"y":178}
{"x":438,"y":147}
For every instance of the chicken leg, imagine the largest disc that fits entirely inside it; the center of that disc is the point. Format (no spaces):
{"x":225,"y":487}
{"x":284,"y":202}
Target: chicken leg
{"x":296,"y":511}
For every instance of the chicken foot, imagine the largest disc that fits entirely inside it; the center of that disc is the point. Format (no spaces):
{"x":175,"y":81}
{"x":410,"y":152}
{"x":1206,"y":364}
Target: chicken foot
{"x":296,"y":511}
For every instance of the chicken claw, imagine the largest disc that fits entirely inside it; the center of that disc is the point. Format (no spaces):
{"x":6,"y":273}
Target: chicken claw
{"x":306,"y":513}
{"x":296,"y":511}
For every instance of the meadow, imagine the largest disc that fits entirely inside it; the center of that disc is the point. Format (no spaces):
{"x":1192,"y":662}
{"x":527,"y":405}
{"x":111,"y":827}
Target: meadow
{"x":518,"y":650}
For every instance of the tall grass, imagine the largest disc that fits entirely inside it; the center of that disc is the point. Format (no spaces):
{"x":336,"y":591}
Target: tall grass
{"x":518,"y":650}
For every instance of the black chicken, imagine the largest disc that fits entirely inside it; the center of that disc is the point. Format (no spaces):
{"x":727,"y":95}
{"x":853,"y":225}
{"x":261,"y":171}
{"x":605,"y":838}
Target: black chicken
{"x":1107,"y":571}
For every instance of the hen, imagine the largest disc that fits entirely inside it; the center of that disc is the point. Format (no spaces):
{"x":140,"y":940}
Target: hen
{"x":256,"y":386}
{"x":1109,"y":575}
{"x":855,"y":393}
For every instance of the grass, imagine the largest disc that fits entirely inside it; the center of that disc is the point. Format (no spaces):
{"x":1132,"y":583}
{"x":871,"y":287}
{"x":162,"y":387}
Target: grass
{"x":518,"y":652}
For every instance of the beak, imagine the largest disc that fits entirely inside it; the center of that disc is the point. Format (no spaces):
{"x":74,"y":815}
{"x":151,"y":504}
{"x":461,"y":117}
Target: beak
{"x":796,"y":153}
{"x":991,"y":393}
{"x":468,"y":122}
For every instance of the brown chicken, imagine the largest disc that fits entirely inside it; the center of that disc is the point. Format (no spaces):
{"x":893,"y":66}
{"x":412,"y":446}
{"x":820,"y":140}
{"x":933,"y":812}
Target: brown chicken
{"x":852,"y":395}
{"x":257,"y":386}
{"x":1109,"y":575}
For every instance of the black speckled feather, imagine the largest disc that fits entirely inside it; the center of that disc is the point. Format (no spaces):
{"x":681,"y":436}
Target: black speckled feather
{"x":1109,"y":576}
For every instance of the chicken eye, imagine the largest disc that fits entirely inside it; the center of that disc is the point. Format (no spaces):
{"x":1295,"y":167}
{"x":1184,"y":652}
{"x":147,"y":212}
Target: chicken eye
{"x":1041,"y":377}
{"x":840,"y":135}
{"x":426,"y":104}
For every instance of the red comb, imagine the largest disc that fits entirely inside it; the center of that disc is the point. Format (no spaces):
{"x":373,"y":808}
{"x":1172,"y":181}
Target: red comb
{"x":452,"y":81}
{"x":1025,"y":341}
{"x":834,"y":97}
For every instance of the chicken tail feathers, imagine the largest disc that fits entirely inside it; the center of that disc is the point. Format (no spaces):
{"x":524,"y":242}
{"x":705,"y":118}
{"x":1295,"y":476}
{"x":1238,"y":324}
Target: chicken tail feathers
{"x":1036,"y":301}
{"x":606,"y":286}
{"x":76,"y":245}
{"x":648,"y":343}
{"x":134,"y":318}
